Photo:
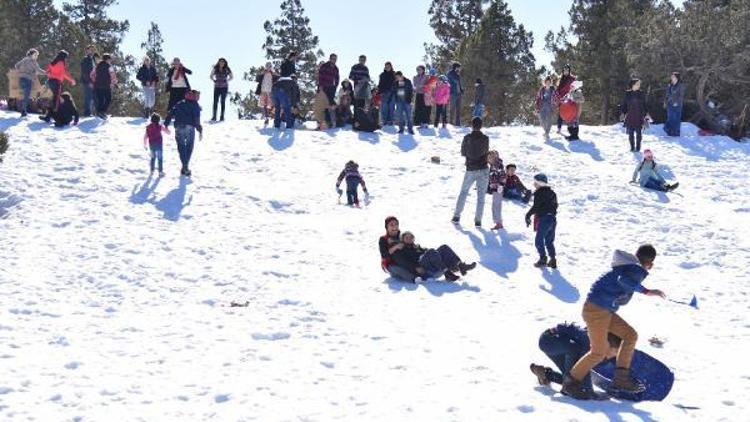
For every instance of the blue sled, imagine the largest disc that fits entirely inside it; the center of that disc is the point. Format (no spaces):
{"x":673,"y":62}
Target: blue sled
{"x":654,"y":375}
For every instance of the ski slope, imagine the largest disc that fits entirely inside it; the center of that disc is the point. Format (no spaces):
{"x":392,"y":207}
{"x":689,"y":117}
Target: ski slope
{"x":115,"y":288}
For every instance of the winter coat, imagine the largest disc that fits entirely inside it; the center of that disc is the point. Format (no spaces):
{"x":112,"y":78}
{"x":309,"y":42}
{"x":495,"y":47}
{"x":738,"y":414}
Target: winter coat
{"x":328,"y":75}
{"x":66,"y":113}
{"x":288,"y":68}
{"x":153,"y":134}
{"x":345,"y":97}
{"x":442,"y":93}
{"x":513,"y":182}
{"x":563,"y":87}
{"x":408,"y":257}
{"x":634,"y":108}
{"x":28,"y":68}
{"x":475,"y":147}
{"x":87,"y":66}
{"x":351,"y":172}
{"x":170,"y":75}
{"x":616,"y":287}
{"x":104,"y":76}
{"x":185,"y":113}
{"x":359,"y":72}
{"x":221,"y":77}
{"x":574,"y":335}
{"x":404,"y":91}
{"x":429,"y":91}
{"x":479,"y":94}
{"x":675,"y":95}
{"x":147,"y":75}
{"x":497,"y":176}
{"x":545,"y":99}
{"x":386,"y":82}
{"x":419,"y":82}
{"x":545,"y":203}
{"x":59,"y":72}
{"x":455,"y":81}
{"x":384,"y":243}
{"x":645,"y":171}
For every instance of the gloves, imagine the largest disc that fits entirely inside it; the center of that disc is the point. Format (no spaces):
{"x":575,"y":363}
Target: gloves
{"x":528,"y":221}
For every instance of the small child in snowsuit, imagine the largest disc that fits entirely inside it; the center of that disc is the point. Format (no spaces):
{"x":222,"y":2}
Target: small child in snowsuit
{"x":649,"y":177}
{"x":513,"y":187}
{"x":544,"y":211}
{"x":152,"y":140}
{"x":496,"y":186}
{"x":353,"y":180}
{"x":442,"y":97}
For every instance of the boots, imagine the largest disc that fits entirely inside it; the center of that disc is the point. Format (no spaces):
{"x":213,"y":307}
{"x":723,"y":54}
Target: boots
{"x":573,"y":388}
{"x":449,"y":276}
{"x":623,"y":382}
{"x":552,"y":263}
{"x":542,"y":262}
{"x":541,"y":374}
{"x":465,"y":268}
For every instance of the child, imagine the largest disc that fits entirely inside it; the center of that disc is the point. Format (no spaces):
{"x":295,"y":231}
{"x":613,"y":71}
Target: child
{"x":66,"y":112}
{"x":153,"y":141}
{"x":442,"y":97}
{"x":374,"y":110}
{"x":544,"y":105}
{"x":649,"y":177}
{"x":478,"y":99}
{"x":403,"y":93}
{"x":353,"y":179}
{"x":544,"y":211}
{"x":513,"y":188}
{"x":612,"y":290}
{"x":496,"y":186}
{"x":429,"y":263}
{"x":344,"y":108}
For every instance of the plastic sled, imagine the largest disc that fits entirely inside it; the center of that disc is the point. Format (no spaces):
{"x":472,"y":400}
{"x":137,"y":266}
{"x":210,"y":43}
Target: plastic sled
{"x":654,"y":375}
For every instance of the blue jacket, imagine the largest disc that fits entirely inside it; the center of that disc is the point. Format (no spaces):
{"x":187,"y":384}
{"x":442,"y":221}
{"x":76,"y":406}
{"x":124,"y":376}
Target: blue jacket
{"x":185,"y":113}
{"x":616,"y":287}
{"x":455,"y":80}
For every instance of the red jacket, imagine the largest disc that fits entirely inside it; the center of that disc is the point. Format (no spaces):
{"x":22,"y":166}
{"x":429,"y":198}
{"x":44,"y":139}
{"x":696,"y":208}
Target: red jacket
{"x":59,"y":72}
{"x":563,"y":87}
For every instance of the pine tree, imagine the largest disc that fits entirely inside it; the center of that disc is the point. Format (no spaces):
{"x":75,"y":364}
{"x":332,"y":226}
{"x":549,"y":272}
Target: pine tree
{"x":499,"y":52}
{"x":452,"y":21}
{"x":153,"y":49}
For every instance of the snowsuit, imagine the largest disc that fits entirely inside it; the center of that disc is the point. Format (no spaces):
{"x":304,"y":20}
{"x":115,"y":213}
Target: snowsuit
{"x":421,"y":109}
{"x":544,"y":107}
{"x":674,"y":98}
{"x":187,"y":119}
{"x":457,"y":91}
{"x":514,"y":189}
{"x":177,"y":85}
{"x":545,"y":212}
{"x":474,"y":147}
{"x":612,"y":290}
{"x":353,"y":180}
{"x":388,"y":264}
{"x":442,"y":97}
{"x":495,"y":188}
{"x":649,"y":177}
{"x":635,"y":110}
{"x":403,"y":93}
{"x":387,"y":96}
{"x":148,"y":77}
{"x":221,"y":78}
{"x":28,"y":69}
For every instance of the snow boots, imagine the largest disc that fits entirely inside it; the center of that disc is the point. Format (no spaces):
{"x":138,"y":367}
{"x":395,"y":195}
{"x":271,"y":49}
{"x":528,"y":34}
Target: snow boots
{"x":623,"y":382}
{"x":573,"y":133}
{"x":541,"y":374}
{"x":450,"y":276}
{"x":552,"y":263}
{"x":464,"y":268}
{"x":573,"y":388}
{"x":541,"y":263}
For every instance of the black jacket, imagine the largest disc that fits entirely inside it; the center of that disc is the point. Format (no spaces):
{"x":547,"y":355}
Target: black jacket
{"x":359,"y":72}
{"x":545,"y":202}
{"x":634,"y":108}
{"x":288,"y":68}
{"x":186,"y":72}
{"x":66,"y":114}
{"x":387,"y":80}
{"x":87,"y":65}
{"x":408,"y":257}
{"x":408,"y":90}
{"x":475,"y":147}
{"x":103,"y":79}
{"x":147,"y":74}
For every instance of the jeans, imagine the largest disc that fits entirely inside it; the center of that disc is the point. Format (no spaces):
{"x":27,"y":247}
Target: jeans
{"x":26,"y":85}
{"x":400,"y":273}
{"x":149,"y":96}
{"x":330,"y":92}
{"x":515,"y":193}
{"x":563,"y":353}
{"x":403,"y":115}
{"x":456,"y":109}
{"x":674,"y":119}
{"x":559,"y":122}
{"x":655,"y":184}
{"x":88,"y":98}
{"x":482,"y":179}
{"x":157,"y":153}
{"x":635,"y":136}
{"x":441,"y":115}
{"x":281,"y":101}
{"x":103,"y":99}
{"x":478,"y":111}
{"x":185,"y":137}
{"x":497,"y":206}
{"x":388,"y":99}
{"x":220,"y":94}
{"x":545,"y":119}
{"x":352,"y":184}
{"x":437,"y":261}
{"x":545,"y":235}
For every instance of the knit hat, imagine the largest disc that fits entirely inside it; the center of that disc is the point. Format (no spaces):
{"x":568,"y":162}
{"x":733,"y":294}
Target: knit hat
{"x":433,"y":71}
{"x":648,"y":154}
{"x":389,"y":219}
{"x":541,"y":178}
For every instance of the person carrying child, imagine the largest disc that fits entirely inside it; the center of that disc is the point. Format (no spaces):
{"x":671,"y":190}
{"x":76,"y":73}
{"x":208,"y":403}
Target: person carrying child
{"x":608,"y":293}
{"x":514,"y":188}
{"x":152,"y":140}
{"x":429,"y":263}
{"x":353,"y":180}
{"x":496,"y":186}
{"x":649,"y":177}
{"x":544,"y":211}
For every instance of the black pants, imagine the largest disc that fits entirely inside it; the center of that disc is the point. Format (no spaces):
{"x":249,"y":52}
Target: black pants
{"x":559,"y":123}
{"x":175,"y":96}
{"x":220,"y":94}
{"x":330,"y":92}
{"x":421,"y":111}
{"x":352,"y":184}
{"x":440,"y":114}
{"x":56,"y":87}
{"x":635,"y":137}
{"x":103,"y":99}
{"x":563,"y":353}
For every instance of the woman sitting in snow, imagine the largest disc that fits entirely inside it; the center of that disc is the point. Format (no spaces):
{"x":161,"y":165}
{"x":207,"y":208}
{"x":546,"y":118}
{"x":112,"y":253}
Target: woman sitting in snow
{"x":429,"y":263}
{"x":649,"y":177}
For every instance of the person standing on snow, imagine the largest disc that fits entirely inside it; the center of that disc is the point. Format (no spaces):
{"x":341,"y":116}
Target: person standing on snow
{"x":57,"y":72}
{"x":457,"y":92}
{"x":421,"y":111}
{"x":265,"y":81}
{"x":544,"y":105}
{"x":475,"y":148}
{"x":403,"y":93}
{"x":283,"y":97}
{"x":221,"y":74}
{"x":479,"y":93}
{"x":442,"y":97}
{"x":28,"y":70}
{"x":104,"y":79}
{"x":544,"y":212}
{"x":387,"y":94}
{"x":360,"y":75}
{"x":563,"y":88}
{"x":328,"y":81}
{"x":87,"y":66}
{"x":635,"y":113}
{"x":353,"y":179}
{"x":177,"y":82}
{"x":148,"y":76}
{"x":495,"y":188}
{"x":673,"y":103}
{"x":187,"y":119}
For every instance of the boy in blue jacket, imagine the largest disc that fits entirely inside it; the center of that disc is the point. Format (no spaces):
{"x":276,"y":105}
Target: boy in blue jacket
{"x":611,"y":291}
{"x":187,"y":119}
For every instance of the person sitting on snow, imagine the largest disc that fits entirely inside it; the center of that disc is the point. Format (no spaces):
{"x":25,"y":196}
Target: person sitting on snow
{"x":649,"y":177}
{"x":353,"y":180}
{"x":388,"y":245}
{"x":514,"y":188}
{"x":429,"y":263}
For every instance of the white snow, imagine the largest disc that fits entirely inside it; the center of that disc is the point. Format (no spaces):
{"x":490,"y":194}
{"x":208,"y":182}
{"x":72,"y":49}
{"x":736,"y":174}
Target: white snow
{"x":115,"y":288}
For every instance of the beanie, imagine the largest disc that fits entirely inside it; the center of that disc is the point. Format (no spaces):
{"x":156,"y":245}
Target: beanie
{"x":541,"y":177}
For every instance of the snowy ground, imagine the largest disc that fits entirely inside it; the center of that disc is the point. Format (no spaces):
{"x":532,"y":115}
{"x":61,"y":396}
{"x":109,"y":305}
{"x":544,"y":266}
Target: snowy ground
{"x":115,"y":287}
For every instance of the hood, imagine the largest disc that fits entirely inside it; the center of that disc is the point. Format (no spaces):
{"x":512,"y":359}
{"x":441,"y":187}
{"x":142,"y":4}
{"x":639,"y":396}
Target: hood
{"x":622,"y":258}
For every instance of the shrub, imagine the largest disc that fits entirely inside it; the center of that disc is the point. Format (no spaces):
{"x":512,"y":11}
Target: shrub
{"x":4,"y":142}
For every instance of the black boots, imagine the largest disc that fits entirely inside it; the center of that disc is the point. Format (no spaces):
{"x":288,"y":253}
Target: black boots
{"x":464,"y":268}
{"x":623,"y":382}
{"x":541,"y":374}
{"x":552,"y":263}
{"x":541,"y":263}
{"x":450,"y":276}
{"x":573,"y":133}
{"x":574,"y":388}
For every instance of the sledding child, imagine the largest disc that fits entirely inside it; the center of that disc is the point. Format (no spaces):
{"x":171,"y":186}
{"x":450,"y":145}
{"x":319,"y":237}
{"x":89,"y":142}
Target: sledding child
{"x":649,"y":177}
{"x":442,"y":97}
{"x":388,"y":244}
{"x":66,"y":112}
{"x":514,"y":188}
{"x":153,"y":141}
{"x":544,"y":211}
{"x":496,"y":186}
{"x":353,"y":180}
{"x":612,"y":290}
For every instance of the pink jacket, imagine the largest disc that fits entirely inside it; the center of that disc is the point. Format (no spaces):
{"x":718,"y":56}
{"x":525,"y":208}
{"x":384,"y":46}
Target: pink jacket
{"x":442,"y":93}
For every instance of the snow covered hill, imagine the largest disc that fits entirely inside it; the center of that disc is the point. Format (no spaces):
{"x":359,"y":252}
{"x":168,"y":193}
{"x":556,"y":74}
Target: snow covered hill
{"x":115,"y":288}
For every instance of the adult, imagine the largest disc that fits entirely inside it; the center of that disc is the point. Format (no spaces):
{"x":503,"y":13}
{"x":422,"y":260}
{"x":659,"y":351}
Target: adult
{"x":479,"y":94}
{"x":457,"y":91}
{"x":283,"y":93}
{"x":564,"y":86}
{"x":57,"y":72}
{"x":187,"y":119}
{"x":673,"y":103}
{"x":177,"y":82}
{"x":88,"y":63}
{"x":28,"y":70}
{"x":428,"y":263}
{"x":421,"y":111}
{"x":544,"y":105}
{"x":387,"y":94}
{"x":104,"y":79}
{"x":359,"y":75}
{"x":148,"y":76}
{"x":635,"y":113}
{"x":221,"y":74}
{"x":475,"y":148}
{"x":403,"y":94}
{"x":265,"y":80}
{"x":289,"y":66}
{"x":328,"y":81}
{"x":388,"y":244}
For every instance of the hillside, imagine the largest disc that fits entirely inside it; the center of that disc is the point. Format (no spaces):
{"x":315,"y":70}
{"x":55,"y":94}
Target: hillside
{"x":116,"y":287}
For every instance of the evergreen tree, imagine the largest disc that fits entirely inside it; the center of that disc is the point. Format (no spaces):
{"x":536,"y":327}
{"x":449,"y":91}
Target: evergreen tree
{"x":499,"y":52}
{"x":452,"y":21}
{"x":153,"y":49}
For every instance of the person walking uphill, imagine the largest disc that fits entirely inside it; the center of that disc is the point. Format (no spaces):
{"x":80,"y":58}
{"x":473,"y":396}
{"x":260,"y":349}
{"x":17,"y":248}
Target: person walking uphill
{"x":187,"y":119}
{"x":475,"y":147}
{"x":148,"y":76}
{"x":673,"y":103}
{"x":57,"y":72}
{"x":221,"y":74}
{"x":87,"y":66}
{"x":457,"y":92}
{"x":177,"y":82}
{"x":544,"y":211}
{"x":387,"y":94}
{"x":403,"y":93}
{"x":635,"y":112}
{"x":612,"y":290}
{"x":28,"y":71}
{"x":104,"y":79}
